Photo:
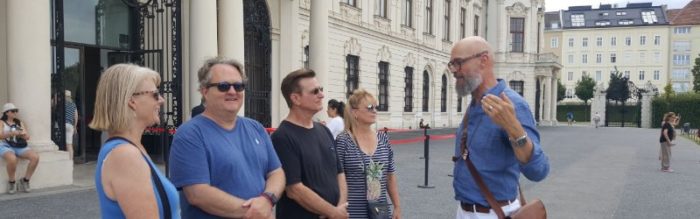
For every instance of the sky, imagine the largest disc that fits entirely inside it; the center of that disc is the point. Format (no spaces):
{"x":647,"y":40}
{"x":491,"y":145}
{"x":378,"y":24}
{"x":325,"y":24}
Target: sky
{"x":555,"y":5}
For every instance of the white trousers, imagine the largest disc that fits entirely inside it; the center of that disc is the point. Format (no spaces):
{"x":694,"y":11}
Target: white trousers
{"x":507,"y":209}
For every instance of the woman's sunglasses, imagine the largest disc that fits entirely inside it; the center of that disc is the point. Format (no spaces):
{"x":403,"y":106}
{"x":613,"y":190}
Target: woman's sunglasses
{"x":371,"y":108}
{"x":154,"y":93}
{"x":225,"y":86}
{"x":13,"y":110}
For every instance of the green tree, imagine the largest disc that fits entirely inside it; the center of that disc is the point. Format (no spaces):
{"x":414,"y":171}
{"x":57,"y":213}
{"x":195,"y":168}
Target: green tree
{"x":561,"y":90}
{"x":668,"y":91}
{"x":618,"y":88}
{"x":696,"y":75}
{"x":584,"y":88}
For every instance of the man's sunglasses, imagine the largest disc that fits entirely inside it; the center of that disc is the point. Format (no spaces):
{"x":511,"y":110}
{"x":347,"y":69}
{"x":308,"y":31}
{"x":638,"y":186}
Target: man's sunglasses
{"x":226,"y":86}
{"x":154,"y":93}
{"x":317,"y":90}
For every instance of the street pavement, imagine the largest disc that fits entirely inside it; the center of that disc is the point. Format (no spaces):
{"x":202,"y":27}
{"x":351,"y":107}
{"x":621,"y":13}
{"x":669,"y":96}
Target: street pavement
{"x":595,"y":173}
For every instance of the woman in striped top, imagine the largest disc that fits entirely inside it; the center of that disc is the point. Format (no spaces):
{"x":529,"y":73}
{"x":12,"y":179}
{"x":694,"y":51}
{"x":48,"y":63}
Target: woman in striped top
{"x":359,"y":145}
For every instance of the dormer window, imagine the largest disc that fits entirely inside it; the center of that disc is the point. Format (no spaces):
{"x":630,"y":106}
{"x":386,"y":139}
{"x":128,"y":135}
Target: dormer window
{"x":649,"y":17}
{"x":602,"y":23}
{"x":578,"y":20}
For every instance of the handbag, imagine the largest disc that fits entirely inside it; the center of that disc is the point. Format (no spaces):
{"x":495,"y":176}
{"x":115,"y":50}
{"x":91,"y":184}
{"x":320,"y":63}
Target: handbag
{"x":378,"y":210}
{"x":16,"y":142}
{"x":532,"y":210}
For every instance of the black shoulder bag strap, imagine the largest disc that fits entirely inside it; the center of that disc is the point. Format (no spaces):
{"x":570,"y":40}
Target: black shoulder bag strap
{"x":159,"y":185}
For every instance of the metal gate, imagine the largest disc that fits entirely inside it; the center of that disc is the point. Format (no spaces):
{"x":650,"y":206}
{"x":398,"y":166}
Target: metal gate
{"x":156,"y":44}
{"x":257,"y":61}
{"x":625,"y":113}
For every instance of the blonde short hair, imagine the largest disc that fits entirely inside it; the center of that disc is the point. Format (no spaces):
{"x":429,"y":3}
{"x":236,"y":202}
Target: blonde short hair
{"x":354,"y":103}
{"x":116,"y":87}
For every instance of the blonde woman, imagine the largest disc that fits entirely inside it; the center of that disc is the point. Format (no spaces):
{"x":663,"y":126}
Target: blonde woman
{"x":128,"y":183}
{"x":364,"y":152}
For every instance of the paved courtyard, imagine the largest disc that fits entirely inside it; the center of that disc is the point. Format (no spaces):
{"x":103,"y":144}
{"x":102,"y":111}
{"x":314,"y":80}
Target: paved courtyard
{"x":595,"y":173}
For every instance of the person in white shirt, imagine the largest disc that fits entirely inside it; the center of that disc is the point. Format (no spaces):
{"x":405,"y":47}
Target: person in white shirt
{"x":335,"y":113}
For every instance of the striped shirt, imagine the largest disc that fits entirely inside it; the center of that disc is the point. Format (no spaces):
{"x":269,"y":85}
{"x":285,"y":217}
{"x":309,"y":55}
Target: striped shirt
{"x":353,"y":160}
{"x":70,"y":109}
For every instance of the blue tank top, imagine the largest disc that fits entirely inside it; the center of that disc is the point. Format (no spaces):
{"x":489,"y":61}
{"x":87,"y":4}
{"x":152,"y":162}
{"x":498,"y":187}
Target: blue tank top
{"x":110,"y":208}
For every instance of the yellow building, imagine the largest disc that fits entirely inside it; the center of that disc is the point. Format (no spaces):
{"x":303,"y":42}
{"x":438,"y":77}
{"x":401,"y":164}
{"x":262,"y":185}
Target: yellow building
{"x":595,"y":42}
{"x":685,"y":45}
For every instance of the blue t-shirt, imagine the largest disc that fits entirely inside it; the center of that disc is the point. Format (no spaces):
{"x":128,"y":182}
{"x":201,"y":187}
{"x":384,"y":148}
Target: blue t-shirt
{"x":236,"y":161}
{"x":110,"y":208}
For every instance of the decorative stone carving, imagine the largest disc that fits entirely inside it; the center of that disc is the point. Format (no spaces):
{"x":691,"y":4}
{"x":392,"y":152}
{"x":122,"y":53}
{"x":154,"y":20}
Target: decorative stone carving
{"x":517,"y":10}
{"x":516,"y":76}
{"x":409,"y":60}
{"x":350,"y":14}
{"x":305,"y":4}
{"x":352,"y":47}
{"x":382,"y":24}
{"x":304,"y":38}
{"x":384,"y":54}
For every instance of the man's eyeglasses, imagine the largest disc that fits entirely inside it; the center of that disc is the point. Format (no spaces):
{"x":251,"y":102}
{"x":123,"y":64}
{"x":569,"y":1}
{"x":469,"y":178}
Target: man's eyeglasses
{"x":456,"y":63}
{"x":317,"y":90}
{"x":226,"y":86}
{"x":154,"y":93}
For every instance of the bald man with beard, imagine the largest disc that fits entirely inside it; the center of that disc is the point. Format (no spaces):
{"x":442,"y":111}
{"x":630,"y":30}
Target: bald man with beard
{"x":502,"y":140}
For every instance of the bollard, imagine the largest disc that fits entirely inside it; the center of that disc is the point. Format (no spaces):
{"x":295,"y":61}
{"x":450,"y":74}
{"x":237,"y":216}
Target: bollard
{"x":426,"y":145}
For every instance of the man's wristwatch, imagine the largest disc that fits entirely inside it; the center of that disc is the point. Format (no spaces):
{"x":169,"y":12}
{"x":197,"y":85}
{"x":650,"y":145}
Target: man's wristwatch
{"x":519,"y":142}
{"x":271,"y":197}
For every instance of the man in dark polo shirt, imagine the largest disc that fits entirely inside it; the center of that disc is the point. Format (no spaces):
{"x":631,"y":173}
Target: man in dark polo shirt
{"x":315,"y":180}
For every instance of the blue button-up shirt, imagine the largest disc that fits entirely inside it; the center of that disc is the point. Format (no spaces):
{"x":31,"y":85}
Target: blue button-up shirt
{"x":492,"y":154}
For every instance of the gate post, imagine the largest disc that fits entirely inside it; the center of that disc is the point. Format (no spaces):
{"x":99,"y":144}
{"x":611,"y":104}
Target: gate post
{"x":646,"y":105}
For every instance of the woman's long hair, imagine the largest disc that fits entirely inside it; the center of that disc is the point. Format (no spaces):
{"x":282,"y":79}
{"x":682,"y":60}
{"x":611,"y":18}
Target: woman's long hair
{"x":4,"y":118}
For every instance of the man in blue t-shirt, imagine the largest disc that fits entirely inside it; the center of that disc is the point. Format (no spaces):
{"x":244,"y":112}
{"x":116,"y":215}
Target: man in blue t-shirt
{"x":224,"y":164}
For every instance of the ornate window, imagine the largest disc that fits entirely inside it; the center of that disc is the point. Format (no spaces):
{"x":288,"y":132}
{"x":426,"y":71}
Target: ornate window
{"x":476,"y":25}
{"x":383,"y":86}
{"x":407,"y":13}
{"x":517,"y":86}
{"x":429,"y":16}
{"x":462,"y":22}
{"x":446,"y":28}
{"x":426,"y":90}
{"x":459,"y":104}
{"x":306,"y":56}
{"x":380,"y":8}
{"x":408,"y":90}
{"x":443,"y":94}
{"x":517,"y":33}
{"x":352,"y":74}
{"x":351,"y":2}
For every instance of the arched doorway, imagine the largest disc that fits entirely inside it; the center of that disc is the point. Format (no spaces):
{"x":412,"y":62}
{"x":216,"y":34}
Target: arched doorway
{"x":257,"y":61}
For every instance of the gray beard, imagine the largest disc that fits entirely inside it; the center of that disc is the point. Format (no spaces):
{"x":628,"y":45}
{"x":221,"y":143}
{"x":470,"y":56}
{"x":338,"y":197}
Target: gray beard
{"x":469,"y":86}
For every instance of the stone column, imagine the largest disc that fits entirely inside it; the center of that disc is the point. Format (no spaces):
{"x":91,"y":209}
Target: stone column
{"x":29,"y":88}
{"x":492,"y":24}
{"x":318,"y":40}
{"x":203,"y":43}
{"x":231,"y":29}
{"x":29,"y":63}
{"x":646,"y":109}
{"x":547,"y":99}
{"x":288,"y":55}
{"x":553,"y":102}
{"x":231,"y":33}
